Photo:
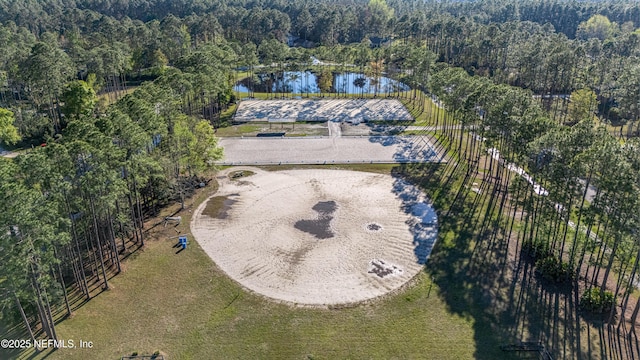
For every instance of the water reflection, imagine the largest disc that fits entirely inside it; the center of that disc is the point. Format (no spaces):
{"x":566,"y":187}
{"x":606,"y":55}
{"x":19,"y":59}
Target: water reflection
{"x":307,"y":82}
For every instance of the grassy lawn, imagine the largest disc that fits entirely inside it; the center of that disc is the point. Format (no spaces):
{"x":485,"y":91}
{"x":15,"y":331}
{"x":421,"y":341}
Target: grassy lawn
{"x":181,"y":304}
{"x":291,"y":129}
{"x":237,"y":130}
{"x":417,"y":132}
{"x":240,"y":75}
{"x":227,"y":115}
{"x":624,"y":131}
{"x":108,"y":98}
{"x":474,"y":295}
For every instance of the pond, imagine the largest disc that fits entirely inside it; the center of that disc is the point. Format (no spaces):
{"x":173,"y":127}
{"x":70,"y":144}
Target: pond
{"x":307,"y":82}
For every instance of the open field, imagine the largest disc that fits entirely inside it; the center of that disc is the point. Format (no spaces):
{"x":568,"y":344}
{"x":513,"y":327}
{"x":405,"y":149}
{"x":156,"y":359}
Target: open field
{"x":183,"y":305}
{"x":321,"y":129}
{"x":466,"y":304}
{"x":290,"y":129}
{"x":107,"y":98}
{"x":477,"y":292}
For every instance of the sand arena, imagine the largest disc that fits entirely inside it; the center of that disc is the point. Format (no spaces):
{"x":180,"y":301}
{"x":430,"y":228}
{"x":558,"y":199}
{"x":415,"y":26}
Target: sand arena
{"x":316,"y":237}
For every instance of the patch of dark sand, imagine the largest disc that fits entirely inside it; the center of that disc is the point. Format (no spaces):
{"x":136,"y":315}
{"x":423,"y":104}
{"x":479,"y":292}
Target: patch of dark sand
{"x":218,"y":207}
{"x":320,"y":227}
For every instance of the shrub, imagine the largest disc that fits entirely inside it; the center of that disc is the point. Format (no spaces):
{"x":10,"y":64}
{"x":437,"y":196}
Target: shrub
{"x":536,"y":250}
{"x":597,"y":301}
{"x":553,"y":269}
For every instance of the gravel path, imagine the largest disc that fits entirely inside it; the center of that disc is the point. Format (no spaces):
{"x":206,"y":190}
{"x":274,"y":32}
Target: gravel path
{"x":335,"y":129}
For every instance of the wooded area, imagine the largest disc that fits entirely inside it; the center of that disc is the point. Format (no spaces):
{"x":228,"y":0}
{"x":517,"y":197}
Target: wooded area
{"x":550,"y":86}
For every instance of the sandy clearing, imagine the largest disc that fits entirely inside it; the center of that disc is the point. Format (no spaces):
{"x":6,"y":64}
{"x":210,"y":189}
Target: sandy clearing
{"x":382,"y":232}
{"x":329,"y":150}
{"x":347,"y":110}
{"x":8,"y":154}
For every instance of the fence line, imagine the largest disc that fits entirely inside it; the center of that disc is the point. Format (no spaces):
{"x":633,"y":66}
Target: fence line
{"x":328,"y":162}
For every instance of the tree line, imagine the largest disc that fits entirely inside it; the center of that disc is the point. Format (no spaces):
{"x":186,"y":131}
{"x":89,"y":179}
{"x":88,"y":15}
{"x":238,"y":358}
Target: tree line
{"x":346,"y":19}
{"x":524,"y":46}
{"x":582,"y":228}
{"x":75,"y":206}
{"x":515,"y":92}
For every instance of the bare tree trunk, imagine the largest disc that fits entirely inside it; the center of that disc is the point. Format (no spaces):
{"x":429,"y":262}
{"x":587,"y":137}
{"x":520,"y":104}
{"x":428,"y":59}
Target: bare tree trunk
{"x":112,"y":240}
{"x":578,"y":223}
{"x":44,"y":320}
{"x":64,"y":287}
{"x":631,"y":284}
{"x":50,"y":315}
{"x":610,"y":263}
{"x":77,"y":281}
{"x":84,"y":287}
{"x":122,"y":232}
{"x":95,"y":227}
{"x":634,"y":316}
{"x":24,"y":317}
{"x":140,"y":224}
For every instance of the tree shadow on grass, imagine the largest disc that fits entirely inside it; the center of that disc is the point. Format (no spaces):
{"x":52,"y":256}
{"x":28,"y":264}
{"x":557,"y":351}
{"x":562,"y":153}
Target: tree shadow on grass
{"x":11,"y":332}
{"x":465,"y":286}
{"x":19,"y":332}
{"x":469,"y":259}
{"x":476,"y":263}
{"x":551,"y":312}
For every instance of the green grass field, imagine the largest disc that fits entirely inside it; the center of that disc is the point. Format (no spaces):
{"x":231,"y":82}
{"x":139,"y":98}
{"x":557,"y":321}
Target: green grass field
{"x":182,"y":305}
{"x":237,"y":130}
{"x":465,"y":305}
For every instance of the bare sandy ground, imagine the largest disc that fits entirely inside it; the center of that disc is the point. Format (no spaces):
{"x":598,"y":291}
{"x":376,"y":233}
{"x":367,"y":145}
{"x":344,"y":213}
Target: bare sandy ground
{"x":347,"y":110}
{"x":318,"y":237}
{"x":329,"y":150}
{"x":8,"y":154}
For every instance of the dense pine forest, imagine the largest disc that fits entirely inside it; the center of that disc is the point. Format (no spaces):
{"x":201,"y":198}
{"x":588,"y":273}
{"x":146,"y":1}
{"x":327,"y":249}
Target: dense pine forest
{"x":116,"y":104}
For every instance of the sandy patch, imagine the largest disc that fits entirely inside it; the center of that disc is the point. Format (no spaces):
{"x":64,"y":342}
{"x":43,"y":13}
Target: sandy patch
{"x":319,"y":237}
{"x":329,"y":150}
{"x":347,"y":110}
